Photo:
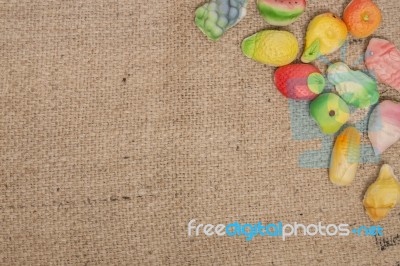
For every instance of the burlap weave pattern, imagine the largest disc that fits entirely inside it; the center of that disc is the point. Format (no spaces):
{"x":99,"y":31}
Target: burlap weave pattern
{"x":120,"y":122}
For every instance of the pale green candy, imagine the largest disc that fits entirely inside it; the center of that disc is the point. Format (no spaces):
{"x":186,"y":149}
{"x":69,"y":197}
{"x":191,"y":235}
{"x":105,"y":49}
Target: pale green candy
{"x":217,"y":16}
{"x":355,"y":87}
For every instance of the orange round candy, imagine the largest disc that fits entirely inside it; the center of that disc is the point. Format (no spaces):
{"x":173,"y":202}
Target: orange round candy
{"x":362,"y":18}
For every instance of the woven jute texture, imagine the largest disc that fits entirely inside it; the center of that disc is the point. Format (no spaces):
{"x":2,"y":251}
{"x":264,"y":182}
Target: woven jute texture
{"x":120,"y":122}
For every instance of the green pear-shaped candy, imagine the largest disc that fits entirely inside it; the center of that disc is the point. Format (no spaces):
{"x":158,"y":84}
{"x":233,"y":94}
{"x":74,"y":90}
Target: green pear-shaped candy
{"x":330,"y":112}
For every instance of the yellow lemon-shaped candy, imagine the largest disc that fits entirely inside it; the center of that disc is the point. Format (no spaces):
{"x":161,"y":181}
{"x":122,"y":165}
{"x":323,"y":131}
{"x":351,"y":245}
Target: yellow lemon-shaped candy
{"x":271,"y":47}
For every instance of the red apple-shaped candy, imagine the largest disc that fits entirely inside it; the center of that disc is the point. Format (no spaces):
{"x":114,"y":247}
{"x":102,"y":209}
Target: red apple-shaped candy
{"x":299,"y":81}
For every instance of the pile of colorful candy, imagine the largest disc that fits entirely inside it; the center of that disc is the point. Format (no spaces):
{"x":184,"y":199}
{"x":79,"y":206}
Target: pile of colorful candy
{"x":326,"y":33}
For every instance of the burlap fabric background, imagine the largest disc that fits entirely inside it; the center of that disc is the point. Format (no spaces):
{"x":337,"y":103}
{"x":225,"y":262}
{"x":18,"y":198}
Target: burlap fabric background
{"x":120,"y":122}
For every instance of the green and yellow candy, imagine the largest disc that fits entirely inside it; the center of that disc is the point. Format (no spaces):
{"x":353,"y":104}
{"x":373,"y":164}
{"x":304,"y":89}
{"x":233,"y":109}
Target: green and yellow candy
{"x":330,"y":112}
{"x":271,"y":47}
